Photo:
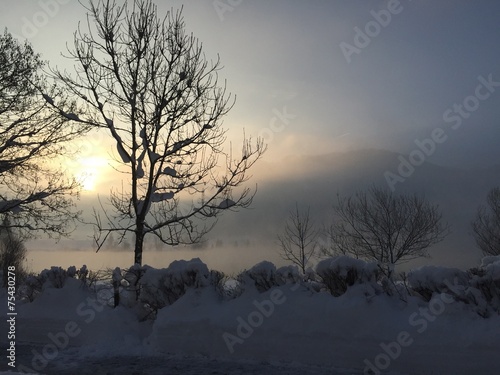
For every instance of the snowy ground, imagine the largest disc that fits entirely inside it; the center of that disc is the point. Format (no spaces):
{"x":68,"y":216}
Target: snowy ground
{"x":71,"y":362}
{"x":288,"y":329}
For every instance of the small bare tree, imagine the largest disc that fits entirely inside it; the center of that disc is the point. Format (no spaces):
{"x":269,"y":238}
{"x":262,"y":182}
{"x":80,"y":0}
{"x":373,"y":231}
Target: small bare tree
{"x":34,"y":191}
{"x":148,"y":83}
{"x":486,"y":225}
{"x":298,"y":243}
{"x":385,"y":227}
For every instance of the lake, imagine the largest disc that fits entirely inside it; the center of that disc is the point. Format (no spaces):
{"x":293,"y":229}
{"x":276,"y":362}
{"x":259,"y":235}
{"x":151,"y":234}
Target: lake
{"x":229,"y":260}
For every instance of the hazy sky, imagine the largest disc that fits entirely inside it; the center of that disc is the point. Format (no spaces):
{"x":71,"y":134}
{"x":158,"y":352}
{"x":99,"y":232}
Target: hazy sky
{"x":309,"y":82}
{"x":285,"y":57}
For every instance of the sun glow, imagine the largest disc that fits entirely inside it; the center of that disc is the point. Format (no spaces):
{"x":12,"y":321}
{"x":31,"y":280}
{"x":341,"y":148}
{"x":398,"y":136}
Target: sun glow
{"x":90,"y":172}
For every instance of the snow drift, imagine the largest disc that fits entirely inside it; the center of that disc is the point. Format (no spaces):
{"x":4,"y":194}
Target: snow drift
{"x":441,"y":320}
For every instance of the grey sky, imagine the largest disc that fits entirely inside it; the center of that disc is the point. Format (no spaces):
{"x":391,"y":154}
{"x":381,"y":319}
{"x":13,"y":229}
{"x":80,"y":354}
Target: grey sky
{"x":287,"y":54}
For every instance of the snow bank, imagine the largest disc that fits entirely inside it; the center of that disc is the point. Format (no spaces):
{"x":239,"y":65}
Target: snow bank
{"x":278,"y":321}
{"x":279,"y":317}
{"x":76,"y":308}
{"x":290,"y":323}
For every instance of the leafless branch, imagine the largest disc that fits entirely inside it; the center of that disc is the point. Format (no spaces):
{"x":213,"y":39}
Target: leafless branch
{"x":148,"y":82}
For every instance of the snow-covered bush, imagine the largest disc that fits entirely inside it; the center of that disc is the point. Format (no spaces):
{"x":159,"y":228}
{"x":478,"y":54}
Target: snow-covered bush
{"x":54,"y":278}
{"x":83,"y":273}
{"x":310,"y":275}
{"x":491,"y":260}
{"x":396,"y":286}
{"x":491,"y":281}
{"x":162,"y":287}
{"x":427,"y":280}
{"x":217,"y":280}
{"x":263,"y":276}
{"x":227,"y":287}
{"x":35,"y":284}
{"x":71,"y":272}
{"x":90,"y":279}
{"x":30,"y":289}
{"x":341,"y":272}
{"x":485,"y":285}
{"x":134,"y":274}
{"x":288,"y":275}
{"x":131,"y":281}
{"x":478,"y":288}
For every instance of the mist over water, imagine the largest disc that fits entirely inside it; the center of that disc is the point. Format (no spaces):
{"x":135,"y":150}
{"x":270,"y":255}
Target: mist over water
{"x":228,"y":258}
{"x":242,"y":239}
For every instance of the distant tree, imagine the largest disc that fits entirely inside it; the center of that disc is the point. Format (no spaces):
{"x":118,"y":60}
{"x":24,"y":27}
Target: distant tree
{"x":110,"y":242}
{"x":298,"y":243}
{"x":12,"y":251}
{"x":125,"y":243}
{"x":34,"y":191}
{"x":147,"y":81}
{"x":486,"y":225}
{"x":381,"y":226}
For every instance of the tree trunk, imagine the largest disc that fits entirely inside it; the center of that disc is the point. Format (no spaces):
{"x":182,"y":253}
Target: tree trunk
{"x":139,"y":241}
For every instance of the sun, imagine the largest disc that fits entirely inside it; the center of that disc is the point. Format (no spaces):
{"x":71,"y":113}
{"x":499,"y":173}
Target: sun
{"x":90,"y":171}
{"x":87,"y":180}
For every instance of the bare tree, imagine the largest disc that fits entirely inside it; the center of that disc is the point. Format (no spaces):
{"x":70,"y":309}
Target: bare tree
{"x":34,"y":191}
{"x":148,"y":83}
{"x":385,"y":227}
{"x":335,"y":243}
{"x":12,"y":251}
{"x":486,"y":225}
{"x":298,"y":242}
